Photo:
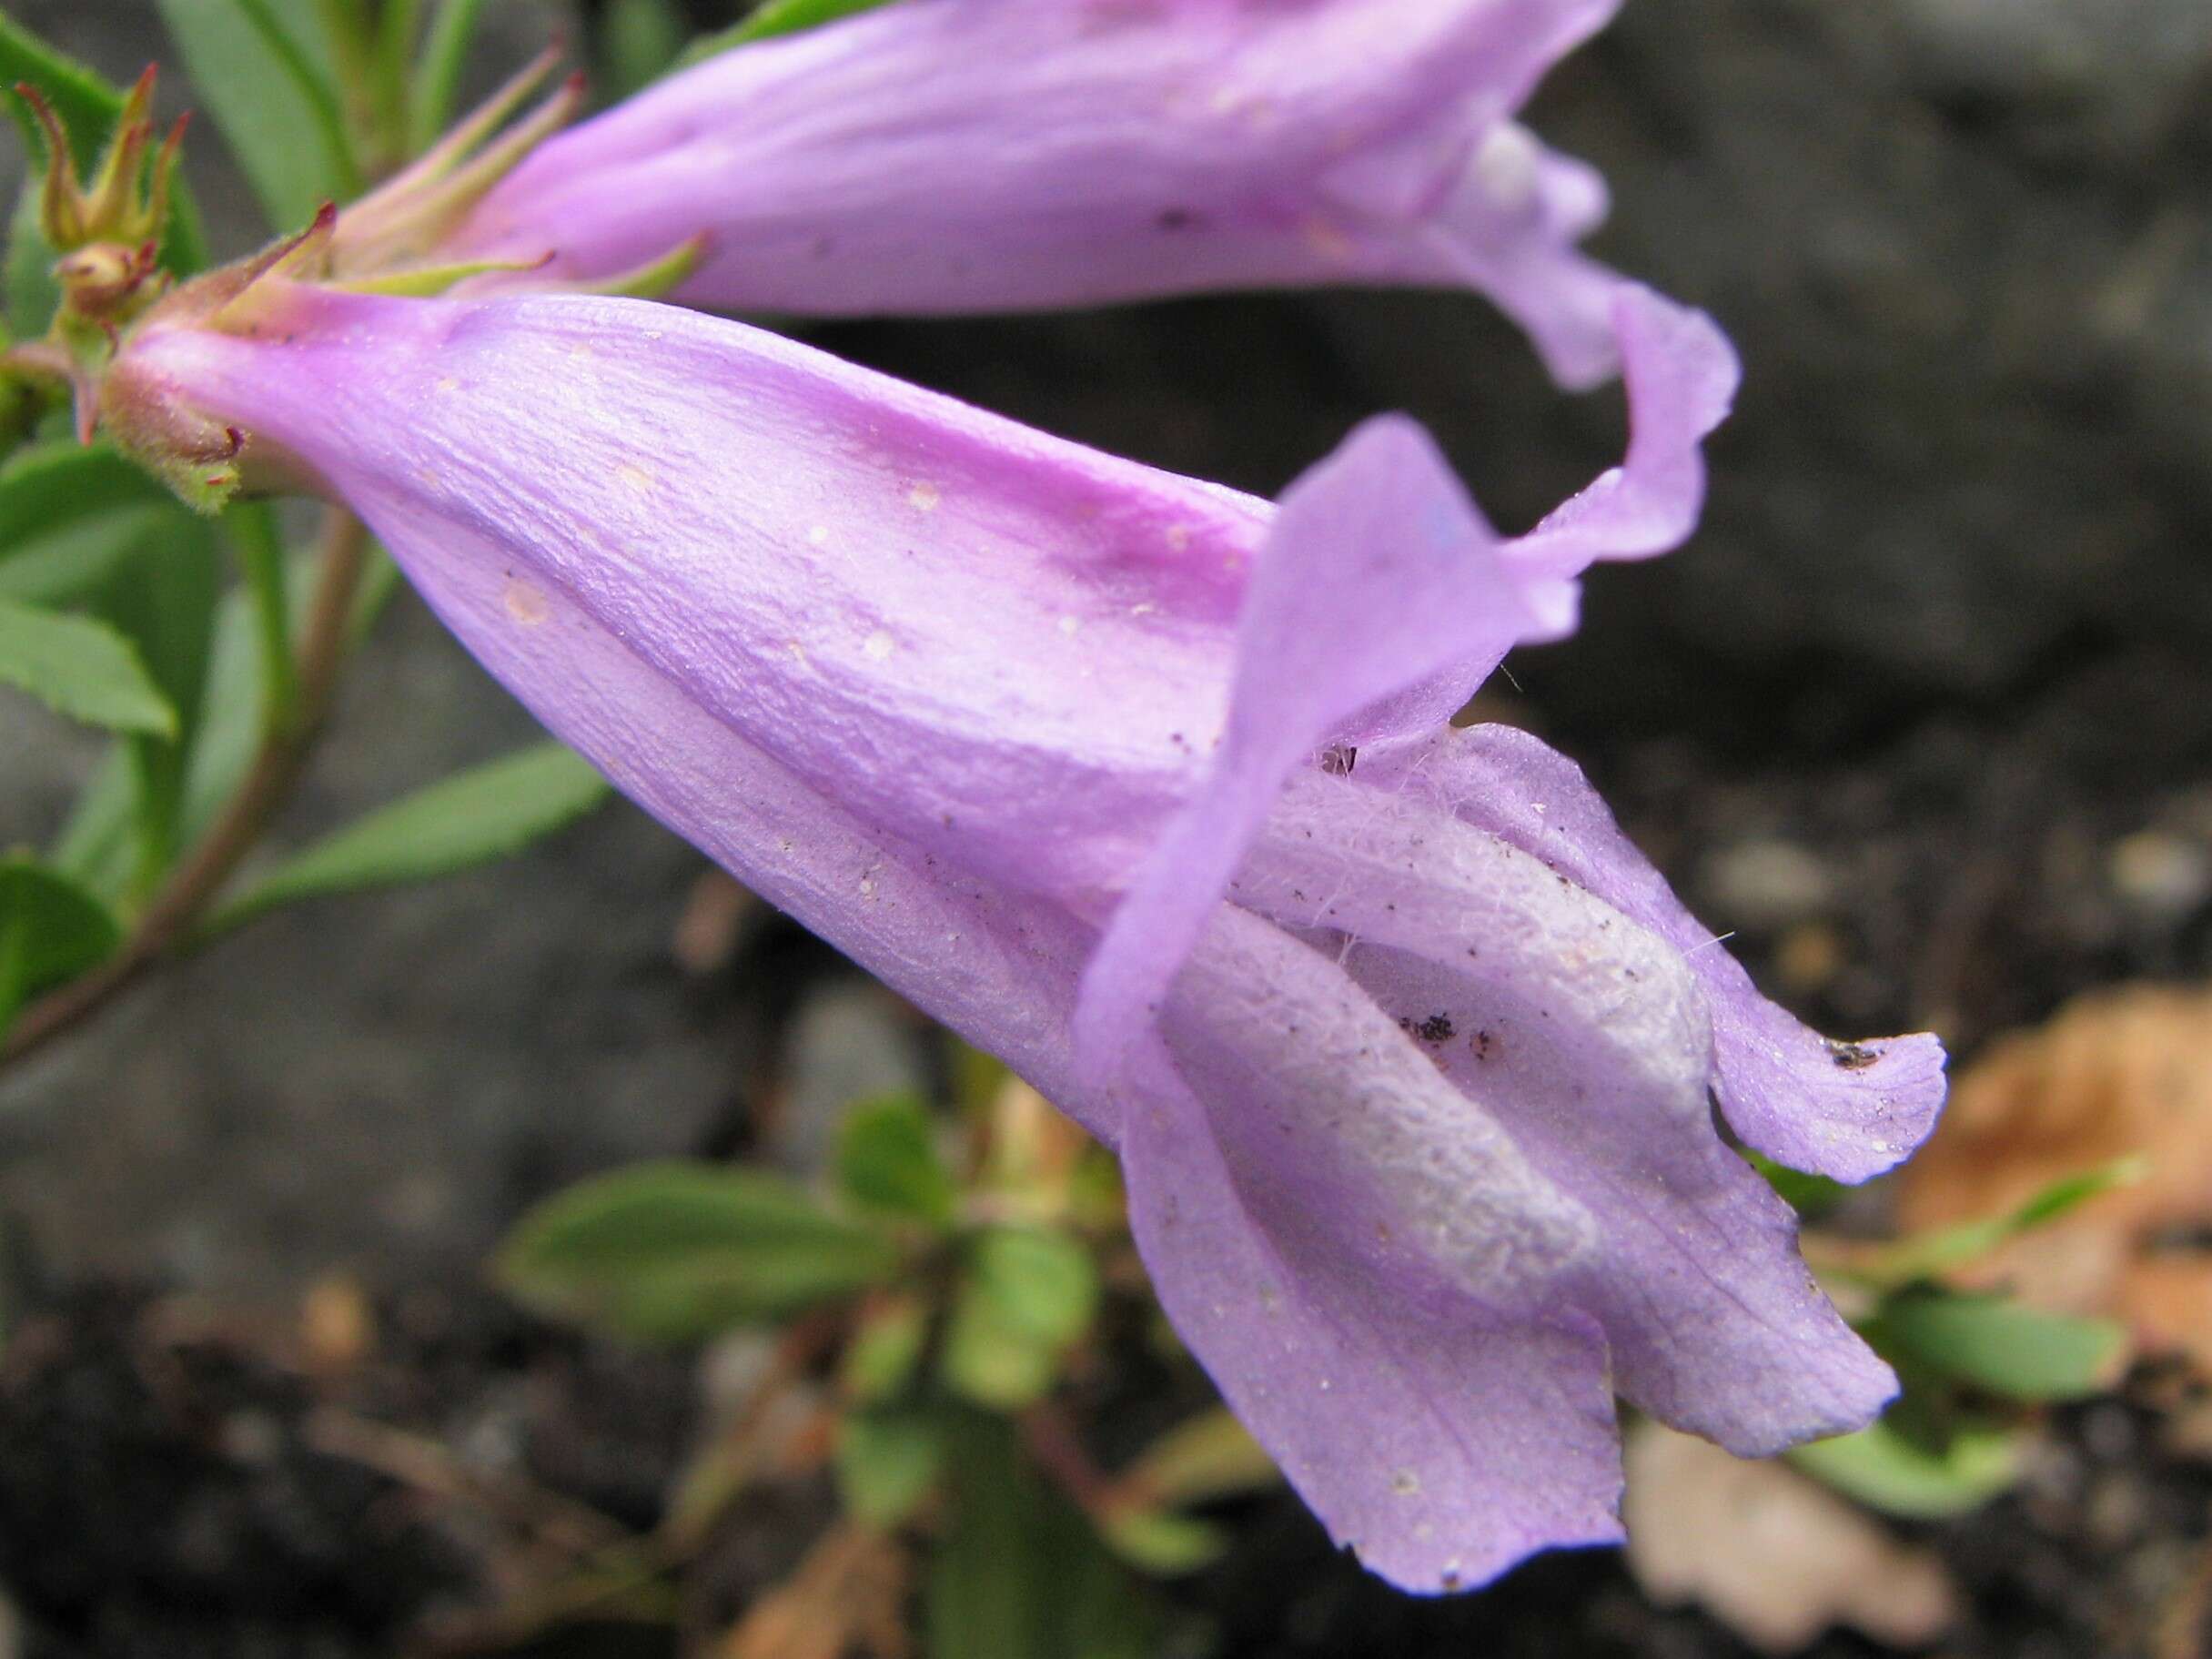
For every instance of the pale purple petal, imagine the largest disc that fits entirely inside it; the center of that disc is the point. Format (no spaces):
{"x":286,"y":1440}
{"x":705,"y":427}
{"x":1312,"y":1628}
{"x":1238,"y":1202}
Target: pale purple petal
{"x":896,"y":909}
{"x":1003,"y":649}
{"x":1319,"y":1096}
{"x":1380,"y":601}
{"x":989,"y":155}
{"x":1586,"y":1036}
{"x":1682,"y":381}
{"x":1442,"y":1445}
{"x":1377,"y":574}
{"x":1850,"y":1110}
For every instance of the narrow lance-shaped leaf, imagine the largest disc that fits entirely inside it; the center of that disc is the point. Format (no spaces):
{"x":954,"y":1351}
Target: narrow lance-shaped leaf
{"x":280,"y":113}
{"x":84,"y":99}
{"x":677,"y":1252}
{"x":32,"y":293}
{"x":51,"y":930}
{"x":468,"y":819}
{"x":81,"y":667}
{"x":2000,"y":1346}
{"x":1932,"y":1255}
{"x":68,"y":515}
{"x":165,"y":598}
{"x":259,"y":547}
{"x":1020,"y":1575}
{"x":437,"y":71}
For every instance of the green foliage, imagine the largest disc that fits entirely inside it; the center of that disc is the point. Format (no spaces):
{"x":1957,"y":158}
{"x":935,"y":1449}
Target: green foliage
{"x":776,"y":18}
{"x":679,"y":1252}
{"x":887,"y":1161}
{"x":1025,"y":1294}
{"x":1997,"y":1346}
{"x":1949,"y":1442}
{"x":32,"y":293}
{"x":437,"y":70}
{"x":88,"y":106}
{"x":887,"y":1462}
{"x":251,"y":527}
{"x":884,"y":1351}
{"x":1211,"y":1456}
{"x":1161,"y":1542}
{"x":1020,"y":1575}
{"x":69,"y":515}
{"x":639,"y":40}
{"x":1934,"y":1254}
{"x":1810,"y":1196}
{"x":82,"y":98}
{"x":51,"y":929}
{"x":474,"y":817}
{"x":1885,"y":1470}
{"x":165,"y":598}
{"x":275,"y":105}
{"x":81,"y":667}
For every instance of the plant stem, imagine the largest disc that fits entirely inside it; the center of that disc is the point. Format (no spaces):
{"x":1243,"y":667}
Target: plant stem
{"x":167,"y":922}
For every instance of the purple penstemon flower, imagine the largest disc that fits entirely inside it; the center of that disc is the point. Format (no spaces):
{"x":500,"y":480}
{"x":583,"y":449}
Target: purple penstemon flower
{"x":937,"y":155}
{"x":1145,"y":785}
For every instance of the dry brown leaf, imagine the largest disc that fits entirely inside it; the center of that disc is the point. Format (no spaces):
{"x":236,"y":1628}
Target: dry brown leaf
{"x":847,"y":1592}
{"x":2115,"y":1074}
{"x":1775,"y":1557}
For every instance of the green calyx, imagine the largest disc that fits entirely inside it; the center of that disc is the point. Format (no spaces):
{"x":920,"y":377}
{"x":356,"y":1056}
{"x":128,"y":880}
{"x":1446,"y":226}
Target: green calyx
{"x":126,"y":201}
{"x":107,"y":230}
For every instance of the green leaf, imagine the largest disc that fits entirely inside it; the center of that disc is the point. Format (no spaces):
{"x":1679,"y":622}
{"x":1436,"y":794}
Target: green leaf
{"x":776,"y":18}
{"x":1020,"y":1575}
{"x":260,"y":548}
{"x":165,"y":598}
{"x":1930,"y":1255}
{"x":95,"y":847}
{"x":1884,"y":1470}
{"x":885,"y":1347}
{"x":1026,"y":1295}
{"x":81,"y":667}
{"x":51,"y":930}
{"x":1998,"y":1345}
{"x":1211,"y":1456}
{"x":85,"y":99}
{"x":280,"y":113}
{"x":1162,"y":1544}
{"x":437,"y":71}
{"x":638,"y":40}
{"x":887,"y":1160}
{"x":32,"y":292}
{"x":471,"y":818}
{"x":1810,"y":1196}
{"x":887,"y":1462}
{"x":68,"y":515}
{"x":678,"y":1252}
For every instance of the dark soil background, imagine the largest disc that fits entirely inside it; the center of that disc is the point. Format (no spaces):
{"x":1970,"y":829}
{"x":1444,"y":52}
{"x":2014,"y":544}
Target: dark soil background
{"x":1924,"y":715}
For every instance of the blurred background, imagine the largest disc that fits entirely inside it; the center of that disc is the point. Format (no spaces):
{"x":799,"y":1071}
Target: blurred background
{"x":1921,"y":717}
